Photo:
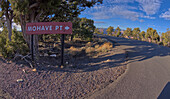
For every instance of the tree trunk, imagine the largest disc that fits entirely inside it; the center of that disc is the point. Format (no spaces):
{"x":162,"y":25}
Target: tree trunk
{"x":23,"y":28}
{"x":35,"y":38}
{"x":28,"y":37}
{"x":9,"y":23}
{"x":33,"y":17}
{"x":9,"y":27}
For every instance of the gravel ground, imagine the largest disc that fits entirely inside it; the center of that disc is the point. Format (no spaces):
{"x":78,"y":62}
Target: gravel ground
{"x":52,"y":82}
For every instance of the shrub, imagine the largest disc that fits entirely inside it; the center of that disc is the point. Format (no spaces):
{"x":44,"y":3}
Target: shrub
{"x":105,"y":47}
{"x":90,"y":50}
{"x":89,"y":44}
{"x":97,"y":46}
{"x":17,"y":44}
{"x":160,"y":43}
{"x":75,"y":51}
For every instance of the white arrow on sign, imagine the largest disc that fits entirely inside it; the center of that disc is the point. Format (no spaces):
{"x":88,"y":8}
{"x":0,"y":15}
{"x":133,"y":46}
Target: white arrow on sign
{"x":67,"y":28}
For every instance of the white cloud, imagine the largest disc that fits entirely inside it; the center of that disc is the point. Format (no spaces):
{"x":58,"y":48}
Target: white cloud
{"x":148,"y":17}
{"x":105,"y":12}
{"x":99,"y":22}
{"x":166,"y":15}
{"x":118,"y":1}
{"x":149,"y":6}
{"x":121,"y":8}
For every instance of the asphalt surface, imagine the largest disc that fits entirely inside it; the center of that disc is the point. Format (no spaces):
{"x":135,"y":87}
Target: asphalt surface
{"x":147,"y":76}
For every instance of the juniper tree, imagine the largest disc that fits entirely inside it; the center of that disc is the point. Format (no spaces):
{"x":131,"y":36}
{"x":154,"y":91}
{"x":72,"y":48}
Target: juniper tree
{"x":128,"y":32}
{"x":6,"y":16}
{"x":109,"y":30}
{"x":118,"y":32}
{"x":135,"y":33}
{"x":47,"y":10}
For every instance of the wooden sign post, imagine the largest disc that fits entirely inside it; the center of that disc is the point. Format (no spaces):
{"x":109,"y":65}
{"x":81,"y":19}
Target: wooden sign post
{"x":49,"y":28}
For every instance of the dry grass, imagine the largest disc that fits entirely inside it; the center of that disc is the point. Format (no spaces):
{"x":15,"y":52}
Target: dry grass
{"x":75,"y":51}
{"x":90,"y":50}
{"x":89,"y":44}
{"x":97,"y":46}
{"x":4,"y":95}
{"x":105,"y":47}
{"x":81,"y":48}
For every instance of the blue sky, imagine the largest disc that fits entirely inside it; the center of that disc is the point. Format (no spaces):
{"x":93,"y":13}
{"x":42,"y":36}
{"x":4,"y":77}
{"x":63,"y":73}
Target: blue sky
{"x":131,"y":13}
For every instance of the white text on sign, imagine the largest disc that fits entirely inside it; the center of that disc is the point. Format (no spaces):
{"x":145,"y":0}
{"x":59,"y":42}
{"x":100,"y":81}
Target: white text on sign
{"x":49,"y":28}
{"x":45,"y":28}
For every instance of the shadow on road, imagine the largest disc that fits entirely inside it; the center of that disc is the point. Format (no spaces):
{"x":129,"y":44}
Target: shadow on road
{"x":165,"y":94}
{"x":141,"y":50}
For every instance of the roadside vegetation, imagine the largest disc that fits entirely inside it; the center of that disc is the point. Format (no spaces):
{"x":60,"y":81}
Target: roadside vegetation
{"x":151,"y":35}
{"x":21,"y":12}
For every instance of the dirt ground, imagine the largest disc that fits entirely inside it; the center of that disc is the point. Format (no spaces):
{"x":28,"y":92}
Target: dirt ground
{"x":81,"y":76}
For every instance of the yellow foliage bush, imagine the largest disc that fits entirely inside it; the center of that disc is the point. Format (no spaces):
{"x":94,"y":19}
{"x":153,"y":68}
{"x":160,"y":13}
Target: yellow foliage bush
{"x":74,"y":51}
{"x":97,"y":46}
{"x":90,"y":50}
{"x":89,"y":44}
{"x":105,"y":47}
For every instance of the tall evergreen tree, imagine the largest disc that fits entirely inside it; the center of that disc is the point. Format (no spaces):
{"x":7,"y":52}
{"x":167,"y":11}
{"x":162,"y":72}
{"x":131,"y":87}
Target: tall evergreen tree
{"x":128,"y":32}
{"x":166,"y":38}
{"x":152,"y":34}
{"x":109,"y":30}
{"x":118,"y":32}
{"x":47,"y":10}
{"x":142,"y":35}
{"x":135,"y":33}
{"x":6,"y":14}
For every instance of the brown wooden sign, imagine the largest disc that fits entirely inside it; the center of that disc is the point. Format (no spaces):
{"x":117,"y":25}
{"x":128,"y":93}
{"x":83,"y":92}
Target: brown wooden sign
{"x":49,"y":28}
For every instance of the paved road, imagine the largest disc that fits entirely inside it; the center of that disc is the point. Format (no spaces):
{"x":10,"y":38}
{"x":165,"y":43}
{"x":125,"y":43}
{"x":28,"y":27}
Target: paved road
{"x":147,"y":76}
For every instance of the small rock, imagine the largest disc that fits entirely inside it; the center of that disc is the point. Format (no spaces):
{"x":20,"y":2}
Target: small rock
{"x":66,"y":62}
{"x":61,"y":66}
{"x":108,"y":60}
{"x":20,"y":80}
{"x":21,"y":65}
{"x":53,"y":55}
{"x":45,"y":54}
{"x":24,"y":70}
{"x":41,"y":55}
{"x":34,"y":70}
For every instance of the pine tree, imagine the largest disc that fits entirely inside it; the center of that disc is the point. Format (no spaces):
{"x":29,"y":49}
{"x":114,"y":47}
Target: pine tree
{"x":152,"y":34}
{"x":6,"y":12}
{"x":118,"y":32}
{"x":135,"y":33}
{"x":166,"y":38}
{"x":47,"y":10}
{"x":142,"y":35}
{"x":109,"y":30}
{"x":128,"y":32}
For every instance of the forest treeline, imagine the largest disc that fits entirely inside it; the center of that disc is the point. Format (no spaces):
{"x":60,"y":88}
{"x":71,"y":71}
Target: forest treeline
{"x":150,"y":35}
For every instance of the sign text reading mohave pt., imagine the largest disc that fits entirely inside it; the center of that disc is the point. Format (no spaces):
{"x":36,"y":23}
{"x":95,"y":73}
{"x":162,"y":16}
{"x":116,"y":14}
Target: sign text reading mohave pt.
{"x":49,"y":28}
